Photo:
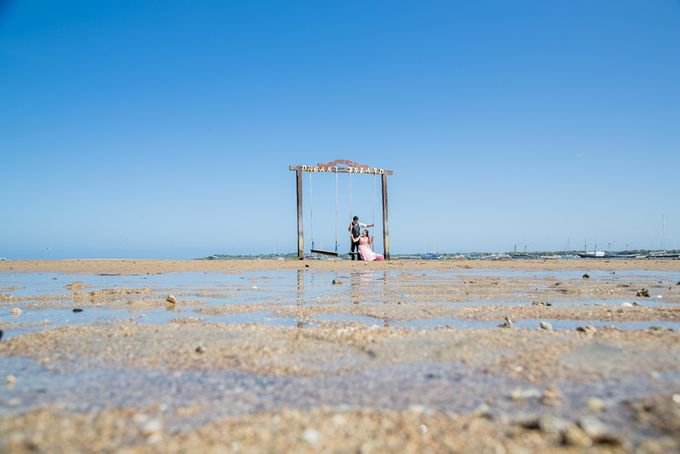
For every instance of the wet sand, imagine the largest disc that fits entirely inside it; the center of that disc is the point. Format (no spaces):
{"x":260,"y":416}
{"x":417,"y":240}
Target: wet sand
{"x":130,"y":266}
{"x":310,"y":356}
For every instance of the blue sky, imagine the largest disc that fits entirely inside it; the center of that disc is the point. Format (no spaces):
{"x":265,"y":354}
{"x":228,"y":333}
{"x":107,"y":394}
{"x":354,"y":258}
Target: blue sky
{"x":165,"y":129}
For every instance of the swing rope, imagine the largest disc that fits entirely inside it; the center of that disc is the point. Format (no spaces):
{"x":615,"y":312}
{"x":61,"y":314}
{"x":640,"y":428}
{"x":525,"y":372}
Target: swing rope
{"x":349,"y":185}
{"x":311,"y":209}
{"x":336,"y":209}
{"x":350,"y":195}
{"x":373,"y":222}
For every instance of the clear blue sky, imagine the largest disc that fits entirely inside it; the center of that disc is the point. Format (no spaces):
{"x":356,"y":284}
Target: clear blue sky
{"x":165,"y":129}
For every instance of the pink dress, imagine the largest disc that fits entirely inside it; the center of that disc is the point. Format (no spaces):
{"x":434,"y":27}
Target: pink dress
{"x":365,"y":251}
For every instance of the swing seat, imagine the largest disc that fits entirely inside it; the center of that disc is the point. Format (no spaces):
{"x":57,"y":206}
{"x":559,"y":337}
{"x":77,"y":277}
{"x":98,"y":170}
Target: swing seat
{"x":321,"y":251}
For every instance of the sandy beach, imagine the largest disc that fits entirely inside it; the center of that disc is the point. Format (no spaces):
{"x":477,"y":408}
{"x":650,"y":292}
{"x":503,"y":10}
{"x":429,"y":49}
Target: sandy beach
{"x":308,"y":356}
{"x":131,"y":266}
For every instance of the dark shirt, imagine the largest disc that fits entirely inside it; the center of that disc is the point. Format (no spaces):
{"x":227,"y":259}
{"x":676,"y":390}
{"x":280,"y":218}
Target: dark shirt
{"x":355,"y":229}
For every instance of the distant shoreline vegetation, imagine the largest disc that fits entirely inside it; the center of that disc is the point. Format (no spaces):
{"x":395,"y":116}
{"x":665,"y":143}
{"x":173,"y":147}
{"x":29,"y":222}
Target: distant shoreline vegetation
{"x":643,"y":253}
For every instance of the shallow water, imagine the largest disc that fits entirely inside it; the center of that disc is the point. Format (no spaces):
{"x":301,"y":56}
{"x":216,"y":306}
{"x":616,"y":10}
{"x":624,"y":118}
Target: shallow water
{"x":557,"y":324}
{"x":311,"y":284}
{"x":50,"y":318}
{"x":650,"y":302}
{"x":435,"y":386}
{"x":278,"y":289}
{"x":651,"y":275}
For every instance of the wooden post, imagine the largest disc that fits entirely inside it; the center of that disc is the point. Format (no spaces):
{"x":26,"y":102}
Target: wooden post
{"x":386,"y":227}
{"x":300,"y":234}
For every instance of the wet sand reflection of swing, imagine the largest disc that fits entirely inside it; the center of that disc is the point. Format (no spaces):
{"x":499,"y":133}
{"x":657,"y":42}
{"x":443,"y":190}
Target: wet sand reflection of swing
{"x":300,"y":323}
{"x":337,"y":167}
{"x":360,"y":281}
{"x":365,"y":286}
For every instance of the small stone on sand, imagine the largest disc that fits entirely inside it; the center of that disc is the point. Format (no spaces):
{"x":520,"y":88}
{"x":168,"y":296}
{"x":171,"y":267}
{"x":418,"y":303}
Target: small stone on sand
{"x":74,"y":287}
{"x":523,"y":394}
{"x":552,"y":425}
{"x":594,"y":404}
{"x":597,"y":430}
{"x":573,"y":436}
{"x":551,"y":396}
{"x":642,"y":293}
{"x":506,"y":324}
{"x":151,"y":426}
{"x":339,"y":420}
{"x":588,"y":329}
{"x":311,"y":436}
{"x":152,"y":430}
{"x":483,"y":411}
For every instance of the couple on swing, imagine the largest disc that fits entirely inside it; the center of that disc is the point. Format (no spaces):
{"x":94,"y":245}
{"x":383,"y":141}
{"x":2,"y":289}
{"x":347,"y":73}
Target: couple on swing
{"x":362,"y":241}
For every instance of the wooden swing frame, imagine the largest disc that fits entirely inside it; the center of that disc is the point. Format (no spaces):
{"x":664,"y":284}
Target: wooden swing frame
{"x":335,"y":167}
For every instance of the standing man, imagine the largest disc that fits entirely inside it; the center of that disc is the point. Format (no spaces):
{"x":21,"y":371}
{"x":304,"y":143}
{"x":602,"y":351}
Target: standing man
{"x":355,"y":232}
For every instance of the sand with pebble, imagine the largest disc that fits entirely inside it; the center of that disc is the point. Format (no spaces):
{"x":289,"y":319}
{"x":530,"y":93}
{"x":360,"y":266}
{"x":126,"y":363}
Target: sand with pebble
{"x":308,"y":356}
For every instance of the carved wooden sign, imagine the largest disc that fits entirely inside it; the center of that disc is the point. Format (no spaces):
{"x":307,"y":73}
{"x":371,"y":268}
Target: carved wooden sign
{"x":342,"y":166}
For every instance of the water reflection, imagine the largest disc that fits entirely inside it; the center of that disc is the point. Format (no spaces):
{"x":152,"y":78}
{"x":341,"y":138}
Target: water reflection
{"x":384,"y":289}
{"x":361,"y":282}
{"x":49,"y":295}
{"x":300,"y":287}
{"x":300,"y":294}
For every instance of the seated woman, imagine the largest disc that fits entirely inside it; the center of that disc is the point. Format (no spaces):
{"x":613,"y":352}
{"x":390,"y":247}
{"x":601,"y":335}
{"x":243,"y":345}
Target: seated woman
{"x":365,"y":251}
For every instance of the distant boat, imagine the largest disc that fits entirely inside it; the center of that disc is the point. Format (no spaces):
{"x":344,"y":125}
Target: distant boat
{"x":430,"y":256}
{"x":593,"y":254}
{"x":522,"y":256}
{"x":498,"y":257}
{"x":623,"y":256}
{"x":663,"y":255}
